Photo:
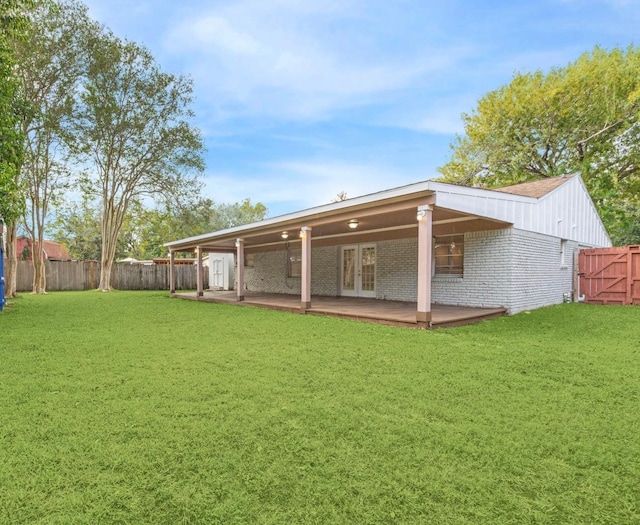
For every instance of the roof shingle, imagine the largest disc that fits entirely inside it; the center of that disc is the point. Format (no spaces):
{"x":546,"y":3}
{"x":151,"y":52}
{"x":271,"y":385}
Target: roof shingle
{"x":536,"y":188}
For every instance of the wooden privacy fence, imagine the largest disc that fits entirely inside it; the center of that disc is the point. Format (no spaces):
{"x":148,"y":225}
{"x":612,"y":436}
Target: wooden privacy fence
{"x":85,"y":275}
{"x":610,"y":275}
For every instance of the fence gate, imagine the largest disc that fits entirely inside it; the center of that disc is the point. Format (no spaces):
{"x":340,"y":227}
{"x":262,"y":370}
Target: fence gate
{"x":610,"y":275}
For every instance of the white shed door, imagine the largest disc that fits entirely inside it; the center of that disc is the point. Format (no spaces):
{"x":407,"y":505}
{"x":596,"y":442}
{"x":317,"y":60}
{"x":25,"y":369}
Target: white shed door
{"x":220,"y":271}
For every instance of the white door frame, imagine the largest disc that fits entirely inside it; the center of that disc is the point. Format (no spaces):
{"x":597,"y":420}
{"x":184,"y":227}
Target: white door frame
{"x":359,"y":287}
{"x":221,"y":271}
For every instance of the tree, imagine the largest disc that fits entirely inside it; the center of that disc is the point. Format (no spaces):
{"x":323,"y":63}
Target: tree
{"x":78,"y":228}
{"x":134,"y":131}
{"x":50,"y":64}
{"x":341,"y":196}
{"x":151,"y":228}
{"x":231,"y":215}
{"x":144,"y":232}
{"x":582,"y":118}
{"x":13,"y":25}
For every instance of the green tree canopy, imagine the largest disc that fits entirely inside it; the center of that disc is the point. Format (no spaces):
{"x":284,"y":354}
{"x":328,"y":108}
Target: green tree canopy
{"x":582,"y":118}
{"x":134,"y":130}
{"x":13,"y":25}
{"x":79,"y":226}
{"x":50,"y":64}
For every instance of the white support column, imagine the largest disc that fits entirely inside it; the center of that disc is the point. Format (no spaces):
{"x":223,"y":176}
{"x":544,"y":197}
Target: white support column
{"x":425,"y":229}
{"x":305,"y":288}
{"x":240,"y":269}
{"x":199,"y":272}
{"x":172,"y":272}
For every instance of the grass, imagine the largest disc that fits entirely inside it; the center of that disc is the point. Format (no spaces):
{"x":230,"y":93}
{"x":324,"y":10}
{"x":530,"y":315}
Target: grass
{"x":131,"y":407}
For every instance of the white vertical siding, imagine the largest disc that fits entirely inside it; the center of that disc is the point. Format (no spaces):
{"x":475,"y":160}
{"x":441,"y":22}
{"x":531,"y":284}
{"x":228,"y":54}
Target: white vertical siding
{"x":569,"y":202}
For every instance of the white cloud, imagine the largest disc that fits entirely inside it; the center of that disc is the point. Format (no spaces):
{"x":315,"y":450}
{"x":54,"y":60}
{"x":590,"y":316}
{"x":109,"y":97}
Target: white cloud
{"x":289,"y":186}
{"x":216,"y":31}
{"x":285,"y":58}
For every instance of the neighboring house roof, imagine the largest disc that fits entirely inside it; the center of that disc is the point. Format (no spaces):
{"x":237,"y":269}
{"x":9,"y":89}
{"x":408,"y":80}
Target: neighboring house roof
{"x":559,"y":207}
{"x":53,"y":251}
{"x":535,"y":189}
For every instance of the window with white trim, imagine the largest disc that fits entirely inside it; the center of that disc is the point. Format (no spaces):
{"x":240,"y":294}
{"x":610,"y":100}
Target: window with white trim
{"x":294,"y":263}
{"x":449,"y":255}
{"x":564,"y":262}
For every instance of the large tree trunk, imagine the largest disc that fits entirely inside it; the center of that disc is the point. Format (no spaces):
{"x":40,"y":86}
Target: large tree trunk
{"x":39,"y":284}
{"x":11,"y":270}
{"x":105,"y":274}
{"x":110,"y":229}
{"x":106,"y":261}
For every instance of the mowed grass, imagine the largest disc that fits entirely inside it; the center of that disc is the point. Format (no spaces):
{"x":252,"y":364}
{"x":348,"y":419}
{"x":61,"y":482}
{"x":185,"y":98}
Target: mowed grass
{"x":132,"y":407}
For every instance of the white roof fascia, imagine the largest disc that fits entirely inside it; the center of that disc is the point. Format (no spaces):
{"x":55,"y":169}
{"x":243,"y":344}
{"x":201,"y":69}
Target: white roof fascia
{"x":402,"y":191}
{"x":521,"y":211}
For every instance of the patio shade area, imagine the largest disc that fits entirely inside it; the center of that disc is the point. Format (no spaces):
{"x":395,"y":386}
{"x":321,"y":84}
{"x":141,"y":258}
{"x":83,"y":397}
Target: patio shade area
{"x":396,"y":313}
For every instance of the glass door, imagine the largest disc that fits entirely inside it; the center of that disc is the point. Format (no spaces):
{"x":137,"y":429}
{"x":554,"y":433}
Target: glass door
{"x":358,"y":270}
{"x":349,"y":257}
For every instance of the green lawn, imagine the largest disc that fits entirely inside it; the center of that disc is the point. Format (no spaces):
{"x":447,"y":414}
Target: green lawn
{"x":131,"y":407}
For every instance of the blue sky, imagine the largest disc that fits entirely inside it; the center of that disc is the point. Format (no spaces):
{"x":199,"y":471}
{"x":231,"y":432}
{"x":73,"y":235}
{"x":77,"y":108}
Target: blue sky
{"x":299,"y":100}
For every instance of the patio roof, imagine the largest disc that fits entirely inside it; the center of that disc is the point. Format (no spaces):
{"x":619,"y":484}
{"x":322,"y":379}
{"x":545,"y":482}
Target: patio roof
{"x":388,"y":214}
{"x":418,"y":211}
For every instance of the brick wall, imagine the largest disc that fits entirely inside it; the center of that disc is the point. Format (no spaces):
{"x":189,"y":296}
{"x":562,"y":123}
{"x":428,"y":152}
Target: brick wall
{"x":325,"y":271}
{"x":539,"y":278}
{"x":397,"y":270}
{"x":512,"y":268}
{"x":487,"y":273}
{"x":268,"y":273}
{"x":507,"y":268}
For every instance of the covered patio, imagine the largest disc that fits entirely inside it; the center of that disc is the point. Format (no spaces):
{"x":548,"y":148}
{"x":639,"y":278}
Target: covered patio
{"x":352,"y":276}
{"x":395,"y":313}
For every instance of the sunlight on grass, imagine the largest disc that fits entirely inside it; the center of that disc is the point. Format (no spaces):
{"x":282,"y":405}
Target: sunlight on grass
{"x":131,"y":407}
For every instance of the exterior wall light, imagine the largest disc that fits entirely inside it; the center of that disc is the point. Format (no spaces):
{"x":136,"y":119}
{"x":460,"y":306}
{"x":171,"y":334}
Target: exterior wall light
{"x":304,"y":231}
{"x":284,"y":235}
{"x":353,"y":224}
{"x":421,"y":214}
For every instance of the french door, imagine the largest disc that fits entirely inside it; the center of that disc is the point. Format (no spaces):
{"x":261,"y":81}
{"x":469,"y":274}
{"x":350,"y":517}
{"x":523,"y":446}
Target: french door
{"x":358,"y":270}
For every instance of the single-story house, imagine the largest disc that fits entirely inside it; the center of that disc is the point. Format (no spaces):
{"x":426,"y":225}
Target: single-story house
{"x":425,"y":244}
{"x":52,"y":251}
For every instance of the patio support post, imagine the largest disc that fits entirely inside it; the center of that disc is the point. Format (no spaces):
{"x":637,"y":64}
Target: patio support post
{"x":305,"y":288}
{"x":425,"y":229}
{"x":240,"y":270}
{"x":199,"y":272}
{"x":172,"y":272}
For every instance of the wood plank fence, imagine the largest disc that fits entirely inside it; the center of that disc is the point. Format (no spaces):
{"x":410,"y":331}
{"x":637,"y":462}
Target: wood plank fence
{"x":85,"y":275}
{"x":610,"y":275}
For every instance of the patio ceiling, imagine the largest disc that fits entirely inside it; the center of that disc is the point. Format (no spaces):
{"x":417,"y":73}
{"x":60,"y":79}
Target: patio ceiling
{"x":390,"y":218}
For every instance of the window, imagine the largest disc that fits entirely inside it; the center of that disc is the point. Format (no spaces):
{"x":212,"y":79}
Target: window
{"x":294,"y":263}
{"x":564,"y":254}
{"x":449,"y":255}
